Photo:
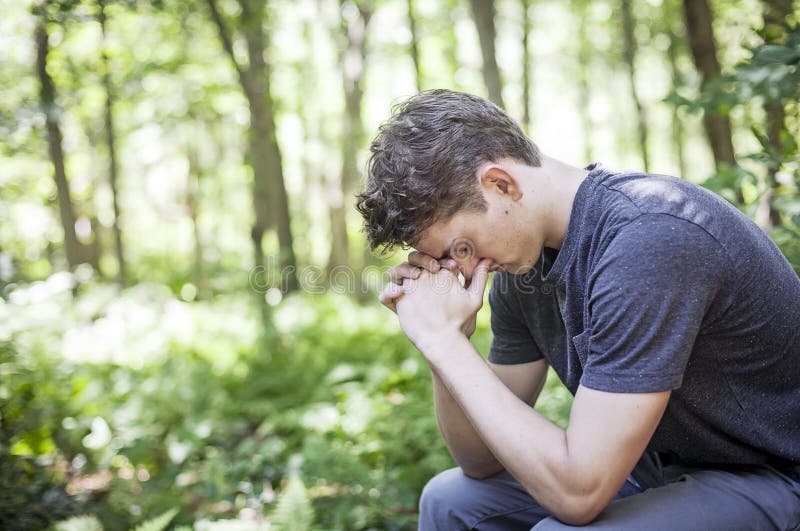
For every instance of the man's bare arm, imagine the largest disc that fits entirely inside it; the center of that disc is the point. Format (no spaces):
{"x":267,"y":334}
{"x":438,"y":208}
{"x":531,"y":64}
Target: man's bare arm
{"x":525,"y":380}
{"x":572,"y":473}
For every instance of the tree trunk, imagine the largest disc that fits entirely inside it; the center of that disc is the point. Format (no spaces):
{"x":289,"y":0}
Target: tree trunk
{"x":192,"y":201}
{"x":526,"y":60}
{"x":270,"y":201}
{"x":352,"y":134}
{"x":113,"y":166}
{"x":584,"y":92}
{"x":701,"y":41}
{"x":52,"y":113}
{"x":269,"y":190}
{"x":678,"y":133}
{"x":483,"y":13}
{"x":412,"y":25}
{"x":775,"y":15}
{"x":93,"y":249}
{"x":628,"y":30}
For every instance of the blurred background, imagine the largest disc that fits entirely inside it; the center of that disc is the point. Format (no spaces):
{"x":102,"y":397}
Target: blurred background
{"x":189,"y":330}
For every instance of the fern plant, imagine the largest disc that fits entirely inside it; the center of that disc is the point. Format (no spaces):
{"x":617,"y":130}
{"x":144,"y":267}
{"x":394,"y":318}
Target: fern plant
{"x":91,"y":523}
{"x":293,"y":511}
{"x":159,"y":523}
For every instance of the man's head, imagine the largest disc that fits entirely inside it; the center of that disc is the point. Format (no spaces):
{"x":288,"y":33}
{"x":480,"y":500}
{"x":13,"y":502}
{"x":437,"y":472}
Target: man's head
{"x":425,"y":161}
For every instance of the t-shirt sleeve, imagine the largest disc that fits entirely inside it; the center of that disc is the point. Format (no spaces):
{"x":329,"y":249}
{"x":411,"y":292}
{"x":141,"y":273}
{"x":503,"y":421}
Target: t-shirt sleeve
{"x":512,"y":342}
{"x":647,"y":297}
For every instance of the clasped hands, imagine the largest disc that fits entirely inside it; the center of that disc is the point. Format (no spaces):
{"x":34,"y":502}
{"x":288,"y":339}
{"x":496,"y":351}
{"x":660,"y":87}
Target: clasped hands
{"x":430,"y":301}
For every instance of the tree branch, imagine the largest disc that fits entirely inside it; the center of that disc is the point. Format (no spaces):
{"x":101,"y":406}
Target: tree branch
{"x":225,"y":37}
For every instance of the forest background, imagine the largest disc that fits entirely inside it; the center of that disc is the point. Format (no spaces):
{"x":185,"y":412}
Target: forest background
{"x":189,"y":330}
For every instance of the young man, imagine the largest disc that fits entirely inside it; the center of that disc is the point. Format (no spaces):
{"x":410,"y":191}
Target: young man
{"x":669,"y":315}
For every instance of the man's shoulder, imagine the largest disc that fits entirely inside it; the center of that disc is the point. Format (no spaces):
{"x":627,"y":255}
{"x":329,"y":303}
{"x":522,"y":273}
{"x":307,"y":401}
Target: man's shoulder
{"x":685,"y":211}
{"x":652,"y":194}
{"x":656,"y":243}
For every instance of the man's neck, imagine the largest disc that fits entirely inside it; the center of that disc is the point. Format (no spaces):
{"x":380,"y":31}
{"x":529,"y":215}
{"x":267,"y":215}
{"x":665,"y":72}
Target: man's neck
{"x":556,"y":184}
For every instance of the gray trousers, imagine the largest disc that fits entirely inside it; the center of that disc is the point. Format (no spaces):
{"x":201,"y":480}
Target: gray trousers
{"x":656,"y":497}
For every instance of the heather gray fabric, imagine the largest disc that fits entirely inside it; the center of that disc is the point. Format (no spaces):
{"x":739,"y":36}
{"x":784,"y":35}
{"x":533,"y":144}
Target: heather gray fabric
{"x":662,"y":285}
{"x":676,"y":497}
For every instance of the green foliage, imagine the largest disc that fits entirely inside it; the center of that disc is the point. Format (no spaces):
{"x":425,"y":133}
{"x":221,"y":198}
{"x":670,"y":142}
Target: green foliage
{"x":91,"y":523}
{"x":32,"y":493}
{"x":293,"y":511}
{"x":30,"y":496}
{"x":212,"y":420}
{"x":768,"y":77}
{"x":159,"y":523}
{"x":770,"y":73}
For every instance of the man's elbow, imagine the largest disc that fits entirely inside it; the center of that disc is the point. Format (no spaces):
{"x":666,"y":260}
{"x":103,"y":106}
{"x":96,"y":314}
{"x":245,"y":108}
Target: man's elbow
{"x":576,"y":516}
{"x":579,"y":510}
{"x":481,"y":470}
{"x":572,"y":504}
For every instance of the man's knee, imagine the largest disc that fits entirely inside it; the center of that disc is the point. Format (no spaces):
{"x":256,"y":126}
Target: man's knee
{"x":443,"y":501}
{"x":452,"y":501}
{"x":551,"y":524}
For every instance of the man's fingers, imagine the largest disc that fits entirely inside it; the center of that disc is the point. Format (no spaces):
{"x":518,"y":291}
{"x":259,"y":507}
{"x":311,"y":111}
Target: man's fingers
{"x":478,"y":282}
{"x":449,"y":264}
{"x":424,"y":260}
{"x":390,"y":294}
{"x":405,"y":270}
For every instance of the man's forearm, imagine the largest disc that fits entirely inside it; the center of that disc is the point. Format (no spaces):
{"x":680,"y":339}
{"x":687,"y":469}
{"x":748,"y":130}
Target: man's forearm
{"x":529,"y":446}
{"x":464,"y":443}
{"x":572,"y":473}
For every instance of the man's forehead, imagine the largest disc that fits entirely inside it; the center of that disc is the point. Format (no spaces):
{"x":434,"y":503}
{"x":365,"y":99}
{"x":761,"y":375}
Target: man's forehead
{"x":437,"y":239}
{"x":424,"y":246}
{"x":431,"y":242}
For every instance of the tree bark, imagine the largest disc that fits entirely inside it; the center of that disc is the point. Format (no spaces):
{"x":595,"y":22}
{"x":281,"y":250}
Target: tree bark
{"x":678,"y":133}
{"x":52,"y":112}
{"x":698,"y":18}
{"x":483,"y":13}
{"x":354,"y":59}
{"x":412,"y":25}
{"x":526,"y":70}
{"x":270,"y":200}
{"x":264,"y":150}
{"x":775,"y":14}
{"x":113,"y":166}
{"x":192,"y":201}
{"x":584,"y":92}
{"x":628,"y":30}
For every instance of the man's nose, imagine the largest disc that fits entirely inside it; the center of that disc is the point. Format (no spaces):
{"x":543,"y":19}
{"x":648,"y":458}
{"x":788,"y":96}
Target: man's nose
{"x":465,"y":266}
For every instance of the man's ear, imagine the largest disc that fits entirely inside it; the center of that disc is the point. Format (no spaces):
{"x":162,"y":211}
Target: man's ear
{"x":494,"y":178}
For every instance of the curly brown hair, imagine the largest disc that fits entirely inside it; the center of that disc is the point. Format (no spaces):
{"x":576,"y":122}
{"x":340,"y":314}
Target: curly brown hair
{"x":424,"y":163}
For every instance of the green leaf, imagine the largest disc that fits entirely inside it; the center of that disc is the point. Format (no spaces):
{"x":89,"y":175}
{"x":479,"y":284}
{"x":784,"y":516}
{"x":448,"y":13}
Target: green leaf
{"x":159,"y":523}
{"x":772,"y":53}
{"x":294,"y":511}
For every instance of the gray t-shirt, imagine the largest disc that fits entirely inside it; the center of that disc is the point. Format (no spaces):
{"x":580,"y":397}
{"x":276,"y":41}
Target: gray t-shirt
{"x":662,"y":285}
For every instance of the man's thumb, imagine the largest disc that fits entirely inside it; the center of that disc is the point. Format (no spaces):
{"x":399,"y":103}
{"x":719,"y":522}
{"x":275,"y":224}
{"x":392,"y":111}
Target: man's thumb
{"x":479,"y":278}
